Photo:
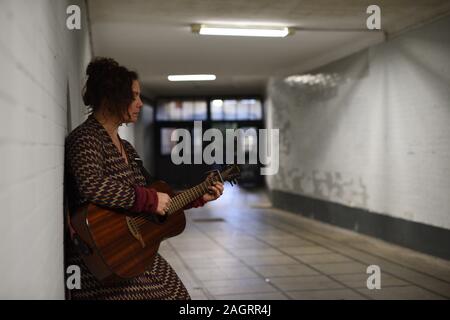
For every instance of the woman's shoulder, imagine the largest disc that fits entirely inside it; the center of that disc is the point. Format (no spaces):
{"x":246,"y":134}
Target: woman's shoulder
{"x":85,"y":133}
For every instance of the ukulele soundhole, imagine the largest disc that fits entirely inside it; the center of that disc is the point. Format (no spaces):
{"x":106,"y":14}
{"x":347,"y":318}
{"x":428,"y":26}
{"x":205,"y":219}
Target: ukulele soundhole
{"x":134,"y":230}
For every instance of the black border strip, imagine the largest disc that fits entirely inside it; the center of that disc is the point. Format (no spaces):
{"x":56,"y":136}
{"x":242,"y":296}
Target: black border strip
{"x":417,"y":236}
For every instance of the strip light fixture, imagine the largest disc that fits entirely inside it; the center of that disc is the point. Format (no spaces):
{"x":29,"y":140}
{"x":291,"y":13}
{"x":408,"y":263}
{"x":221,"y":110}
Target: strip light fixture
{"x":192,"y":77}
{"x":243,"y":31}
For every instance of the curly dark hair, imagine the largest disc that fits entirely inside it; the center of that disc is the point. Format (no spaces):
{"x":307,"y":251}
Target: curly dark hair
{"x":108,"y":83}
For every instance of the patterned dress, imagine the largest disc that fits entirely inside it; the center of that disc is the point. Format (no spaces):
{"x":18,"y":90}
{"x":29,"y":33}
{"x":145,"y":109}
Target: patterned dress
{"x":97,"y":173}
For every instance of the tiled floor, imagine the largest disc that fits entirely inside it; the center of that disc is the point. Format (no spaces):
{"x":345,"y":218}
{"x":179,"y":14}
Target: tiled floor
{"x":258,"y":252}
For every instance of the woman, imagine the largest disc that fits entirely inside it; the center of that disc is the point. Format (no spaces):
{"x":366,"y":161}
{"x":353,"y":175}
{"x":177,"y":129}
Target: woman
{"x":101,"y":169}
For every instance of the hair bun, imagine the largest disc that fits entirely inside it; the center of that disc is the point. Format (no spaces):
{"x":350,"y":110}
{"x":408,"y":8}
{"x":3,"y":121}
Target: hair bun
{"x":100,"y":66}
{"x":109,"y":83}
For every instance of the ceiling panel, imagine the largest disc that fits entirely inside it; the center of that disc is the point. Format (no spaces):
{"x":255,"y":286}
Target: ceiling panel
{"x":154,"y":37}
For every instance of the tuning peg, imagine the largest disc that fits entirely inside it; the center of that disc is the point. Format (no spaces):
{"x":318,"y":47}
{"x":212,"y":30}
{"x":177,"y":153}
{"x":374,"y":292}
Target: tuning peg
{"x":215,"y":175}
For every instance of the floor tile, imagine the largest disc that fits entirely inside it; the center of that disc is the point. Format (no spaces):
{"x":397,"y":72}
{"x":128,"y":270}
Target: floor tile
{"x":285,"y":270}
{"x":253,"y":296}
{"x":340,"y":267}
{"x":305,"y":283}
{"x":202,"y":262}
{"x":337,"y":294}
{"x":289,"y":242}
{"x":268,"y":260}
{"x":400,"y":293}
{"x":305,"y":250}
{"x":322,"y":258}
{"x":256,"y":252}
{"x":210,"y":274}
{"x":360,"y":280}
{"x":197,"y":294}
{"x":227,"y":287}
{"x":222,"y":273}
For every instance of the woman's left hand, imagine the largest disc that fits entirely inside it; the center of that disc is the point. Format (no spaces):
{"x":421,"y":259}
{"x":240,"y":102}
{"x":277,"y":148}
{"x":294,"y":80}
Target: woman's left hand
{"x":216,"y":191}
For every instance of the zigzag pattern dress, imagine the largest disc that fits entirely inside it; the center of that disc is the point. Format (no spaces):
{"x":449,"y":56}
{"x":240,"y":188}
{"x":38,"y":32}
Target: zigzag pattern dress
{"x":96,"y":172}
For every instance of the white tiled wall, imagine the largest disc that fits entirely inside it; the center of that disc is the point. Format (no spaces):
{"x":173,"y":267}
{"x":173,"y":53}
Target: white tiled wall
{"x":39,"y":60}
{"x":376,"y":134}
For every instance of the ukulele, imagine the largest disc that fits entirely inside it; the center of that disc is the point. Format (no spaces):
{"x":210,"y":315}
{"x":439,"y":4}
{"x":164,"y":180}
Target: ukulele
{"x":119,"y":245}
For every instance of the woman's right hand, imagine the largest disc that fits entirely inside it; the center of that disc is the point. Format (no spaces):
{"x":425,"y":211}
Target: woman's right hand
{"x":163,"y":203}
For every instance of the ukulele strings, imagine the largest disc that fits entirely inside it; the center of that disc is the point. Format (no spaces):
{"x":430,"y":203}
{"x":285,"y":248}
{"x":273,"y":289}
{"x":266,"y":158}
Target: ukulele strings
{"x":179,"y":199}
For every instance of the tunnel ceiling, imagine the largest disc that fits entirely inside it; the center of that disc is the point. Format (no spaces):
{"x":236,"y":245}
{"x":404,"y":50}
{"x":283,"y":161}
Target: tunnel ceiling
{"x":154,"y":37}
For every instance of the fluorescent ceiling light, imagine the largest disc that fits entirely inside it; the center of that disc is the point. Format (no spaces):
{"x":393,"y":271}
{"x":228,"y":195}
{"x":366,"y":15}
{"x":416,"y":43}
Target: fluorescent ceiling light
{"x":192,"y":77}
{"x":245,"y":31}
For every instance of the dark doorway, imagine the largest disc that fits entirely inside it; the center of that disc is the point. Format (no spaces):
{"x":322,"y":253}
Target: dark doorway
{"x":221,"y":113}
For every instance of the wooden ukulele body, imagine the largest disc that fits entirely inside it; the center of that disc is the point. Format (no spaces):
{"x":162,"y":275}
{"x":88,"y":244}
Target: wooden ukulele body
{"x":119,"y":245}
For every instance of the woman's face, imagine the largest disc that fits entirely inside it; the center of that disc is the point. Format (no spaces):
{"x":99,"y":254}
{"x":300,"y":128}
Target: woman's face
{"x":136,"y":105}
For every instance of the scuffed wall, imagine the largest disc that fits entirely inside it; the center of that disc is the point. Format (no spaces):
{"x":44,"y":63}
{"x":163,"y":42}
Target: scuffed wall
{"x":372,"y":130}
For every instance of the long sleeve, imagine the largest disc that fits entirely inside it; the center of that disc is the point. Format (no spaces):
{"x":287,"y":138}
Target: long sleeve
{"x":86,"y":160}
{"x":146,"y":200}
{"x":195,"y":204}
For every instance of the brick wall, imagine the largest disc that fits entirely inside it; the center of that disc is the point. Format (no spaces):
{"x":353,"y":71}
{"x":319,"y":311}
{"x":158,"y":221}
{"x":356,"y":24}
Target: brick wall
{"x":41,"y":65}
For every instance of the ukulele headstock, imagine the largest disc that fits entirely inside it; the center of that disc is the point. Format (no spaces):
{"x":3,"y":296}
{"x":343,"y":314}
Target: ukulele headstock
{"x":230,"y":173}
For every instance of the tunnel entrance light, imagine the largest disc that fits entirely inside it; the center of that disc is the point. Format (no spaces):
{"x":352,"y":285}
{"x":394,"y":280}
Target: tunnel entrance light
{"x":192,"y":77}
{"x":243,"y":31}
